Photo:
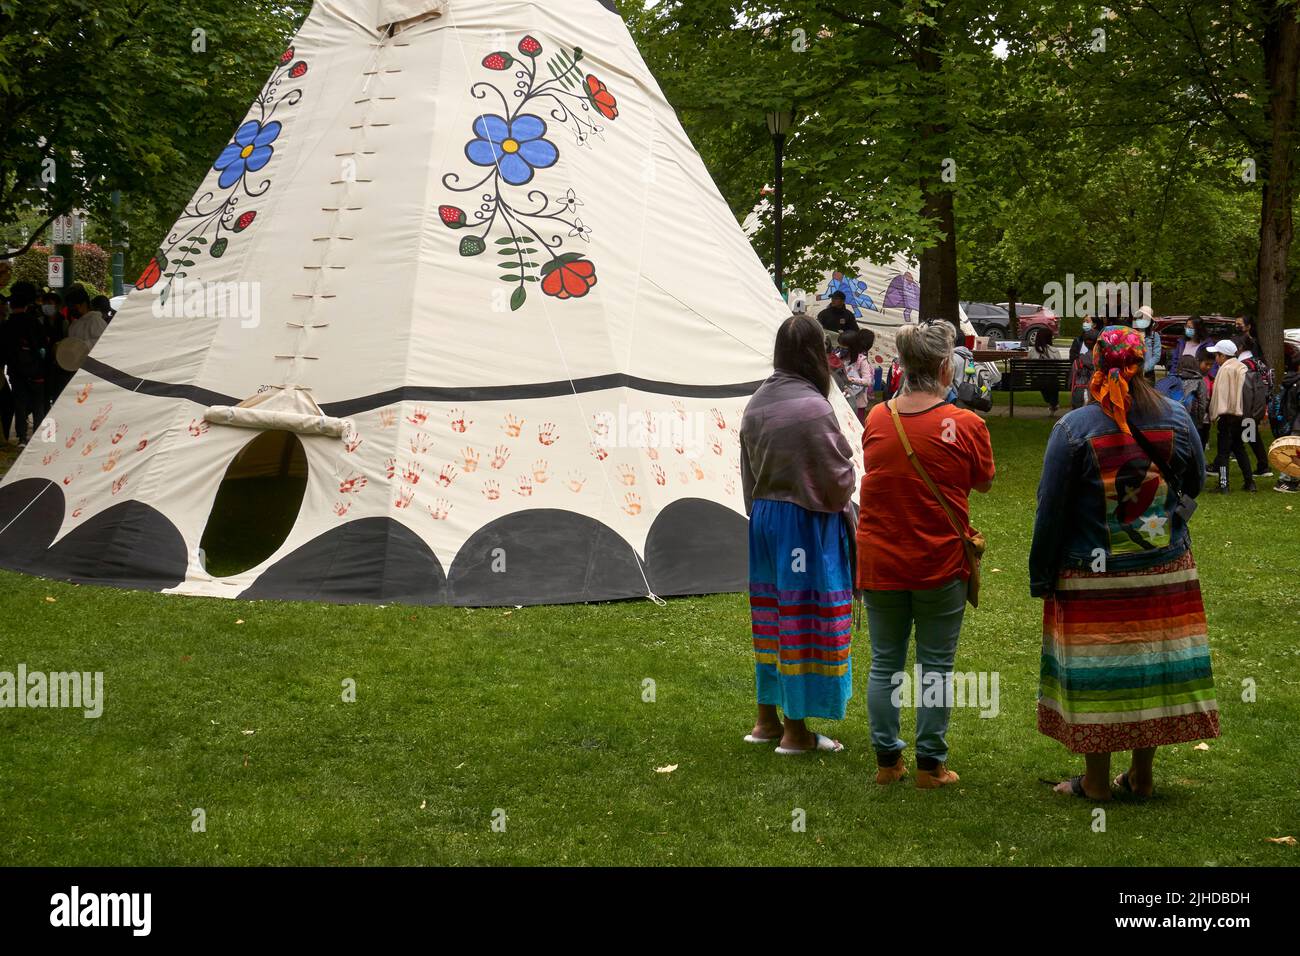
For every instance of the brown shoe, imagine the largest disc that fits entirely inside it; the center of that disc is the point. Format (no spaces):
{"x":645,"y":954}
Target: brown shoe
{"x":940,"y":776}
{"x":885,"y":775}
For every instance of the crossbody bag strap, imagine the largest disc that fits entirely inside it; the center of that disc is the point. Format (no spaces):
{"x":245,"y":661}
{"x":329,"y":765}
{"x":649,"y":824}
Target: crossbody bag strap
{"x":1156,"y":459}
{"x":920,"y":470}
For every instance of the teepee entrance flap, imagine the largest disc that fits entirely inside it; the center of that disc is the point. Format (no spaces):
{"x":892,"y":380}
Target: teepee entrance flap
{"x":404,"y":12}
{"x":289,"y":409}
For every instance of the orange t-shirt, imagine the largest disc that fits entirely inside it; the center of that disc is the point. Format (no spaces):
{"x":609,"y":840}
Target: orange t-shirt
{"x":905,"y":541}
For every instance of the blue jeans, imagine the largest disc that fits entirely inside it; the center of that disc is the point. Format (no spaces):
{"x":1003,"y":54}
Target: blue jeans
{"x":937,"y":614}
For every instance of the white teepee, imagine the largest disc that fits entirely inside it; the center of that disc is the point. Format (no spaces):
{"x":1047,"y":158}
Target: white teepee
{"x":461,"y":272}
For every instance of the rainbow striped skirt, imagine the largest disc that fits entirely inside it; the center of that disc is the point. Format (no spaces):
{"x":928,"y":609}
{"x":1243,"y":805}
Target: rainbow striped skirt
{"x":1126,"y":662}
{"x":801,"y":609}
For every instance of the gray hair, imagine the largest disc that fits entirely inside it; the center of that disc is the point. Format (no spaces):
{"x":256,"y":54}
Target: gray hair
{"x":922,"y":351}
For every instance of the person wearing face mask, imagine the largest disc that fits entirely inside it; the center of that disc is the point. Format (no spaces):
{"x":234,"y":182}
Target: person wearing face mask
{"x":1145,"y":323}
{"x":1081,"y":367}
{"x":1191,"y":343}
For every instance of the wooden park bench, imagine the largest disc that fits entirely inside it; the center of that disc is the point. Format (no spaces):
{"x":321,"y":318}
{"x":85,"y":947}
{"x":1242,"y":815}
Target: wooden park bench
{"x":1030,"y":375}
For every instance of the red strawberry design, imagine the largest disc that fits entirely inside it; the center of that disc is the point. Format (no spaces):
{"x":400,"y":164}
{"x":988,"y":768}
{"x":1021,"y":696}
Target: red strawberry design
{"x":286,"y":56}
{"x":529,"y":46}
{"x":244,"y":221}
{"x":498,"y":61}
{"x":452,"y":216}
{"x":299,"y":69}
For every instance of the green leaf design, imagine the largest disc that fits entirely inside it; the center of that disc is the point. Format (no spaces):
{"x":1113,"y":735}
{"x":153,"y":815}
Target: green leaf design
{"x":505,"y":241}
{"x":518,"y":298}
{"x":219,"y":247}
{"x":512,"y":278}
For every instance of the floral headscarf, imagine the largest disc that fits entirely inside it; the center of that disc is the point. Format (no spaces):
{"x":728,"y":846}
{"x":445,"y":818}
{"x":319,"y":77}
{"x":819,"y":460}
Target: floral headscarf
{"x":1119,"y":354}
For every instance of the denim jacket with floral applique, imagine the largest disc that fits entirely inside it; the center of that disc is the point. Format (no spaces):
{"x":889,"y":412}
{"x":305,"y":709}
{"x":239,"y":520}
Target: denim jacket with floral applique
{"x":1102,"y":504}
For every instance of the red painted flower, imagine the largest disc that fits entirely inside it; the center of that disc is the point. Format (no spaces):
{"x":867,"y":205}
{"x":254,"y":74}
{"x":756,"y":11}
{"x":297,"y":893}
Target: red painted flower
{"x":601,"y":97}
{"x":286,"y":56}
{"x":244,"y":221}
{"x":498,"y":61}
{"x":452,"y":216}
{"x":152,"y":273}
{"x":570,"y":279}
{"x":529,"y":46}
{"x":299,"y":69}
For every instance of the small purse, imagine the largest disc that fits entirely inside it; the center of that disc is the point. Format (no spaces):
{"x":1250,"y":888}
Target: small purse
{"x":974,"y":544}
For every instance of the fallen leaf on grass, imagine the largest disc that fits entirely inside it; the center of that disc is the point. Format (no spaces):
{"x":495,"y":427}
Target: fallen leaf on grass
{"x":1202,"y":746}
{"x":245,"y":760}
{"x":668,"y":769}
{"x":240,"y":621}
{"x":50,"y":600}
{"x":248,"y":733}
{"x":997,"y":570}
{"x":423,"y":804}
{"x":1283,"y":841}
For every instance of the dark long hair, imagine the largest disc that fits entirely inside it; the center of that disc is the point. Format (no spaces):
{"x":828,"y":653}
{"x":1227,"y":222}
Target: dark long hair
{"x":858,"y":342}
{"x":1042,"y":341}
{"x":801,"y":350}
{"x":1147,"y":402}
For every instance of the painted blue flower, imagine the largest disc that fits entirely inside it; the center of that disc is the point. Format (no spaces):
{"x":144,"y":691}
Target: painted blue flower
{"x":516,"y":147}
{"x":250,"y":151}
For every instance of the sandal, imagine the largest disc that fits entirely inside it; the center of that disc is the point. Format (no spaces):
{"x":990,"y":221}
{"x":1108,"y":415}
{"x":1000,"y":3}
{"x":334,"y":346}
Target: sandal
{"x":751,"y":739}
{"x":1122,"y":783}
{"x":822,"y":743}
{"x":1076,"y":788}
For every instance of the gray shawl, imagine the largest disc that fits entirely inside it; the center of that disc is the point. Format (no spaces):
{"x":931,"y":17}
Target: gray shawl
{"x":792,"y":448}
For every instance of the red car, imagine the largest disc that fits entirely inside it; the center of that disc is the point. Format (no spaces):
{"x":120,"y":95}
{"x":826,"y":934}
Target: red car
{"x":1032,"y":317}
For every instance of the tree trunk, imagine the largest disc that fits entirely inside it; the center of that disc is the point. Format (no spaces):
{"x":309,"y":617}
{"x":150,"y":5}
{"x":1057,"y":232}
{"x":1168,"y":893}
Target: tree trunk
{"x":939,"y":262}
{"x":1281,"y":65}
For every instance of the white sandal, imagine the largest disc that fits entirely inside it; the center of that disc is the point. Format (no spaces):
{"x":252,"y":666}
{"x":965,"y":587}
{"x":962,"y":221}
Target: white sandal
{"x":823,"y":743}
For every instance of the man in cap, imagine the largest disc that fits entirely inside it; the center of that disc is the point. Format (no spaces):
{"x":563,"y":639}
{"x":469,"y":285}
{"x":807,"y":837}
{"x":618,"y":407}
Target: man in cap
{"x":835,"y":317}
{"x":1226,"y":408}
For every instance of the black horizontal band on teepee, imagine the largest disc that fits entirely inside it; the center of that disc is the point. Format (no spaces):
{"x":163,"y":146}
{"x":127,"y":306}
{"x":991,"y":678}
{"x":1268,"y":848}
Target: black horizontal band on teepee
{"x":191,"y":393}
{"x":426,"y":393}
{"x":609,"y":5}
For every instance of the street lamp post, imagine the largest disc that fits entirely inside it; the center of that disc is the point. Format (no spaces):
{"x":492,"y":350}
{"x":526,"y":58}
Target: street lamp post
{"x":778,"y":124}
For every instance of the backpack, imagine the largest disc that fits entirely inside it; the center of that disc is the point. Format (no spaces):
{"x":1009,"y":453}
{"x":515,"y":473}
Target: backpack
{"x":1175,"y":388}
{"x":1284,"y":407}
{"x":1254,"y":395}
{"x":1080,"y":375}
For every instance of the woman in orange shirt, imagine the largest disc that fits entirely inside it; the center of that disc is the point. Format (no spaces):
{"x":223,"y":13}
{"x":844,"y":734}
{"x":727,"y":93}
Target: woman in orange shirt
{"x":912,"y":566}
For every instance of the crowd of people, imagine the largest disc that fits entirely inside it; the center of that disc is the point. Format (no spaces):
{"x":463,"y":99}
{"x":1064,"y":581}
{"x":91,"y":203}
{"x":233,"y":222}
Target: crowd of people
{"x":1125,"y":662}
{"x":33,"y":326}
{"x":1228,"y":389}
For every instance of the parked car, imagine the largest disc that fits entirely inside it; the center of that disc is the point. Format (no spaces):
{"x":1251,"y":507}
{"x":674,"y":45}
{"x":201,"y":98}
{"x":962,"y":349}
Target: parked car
{"x":1033,"y":317}
{"x":989,"y":320}
{"x":1172,"y":329}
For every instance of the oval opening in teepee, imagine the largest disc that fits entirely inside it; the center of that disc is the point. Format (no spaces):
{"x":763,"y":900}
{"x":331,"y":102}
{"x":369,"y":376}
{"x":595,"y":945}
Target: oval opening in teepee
{"x":256,"y":505}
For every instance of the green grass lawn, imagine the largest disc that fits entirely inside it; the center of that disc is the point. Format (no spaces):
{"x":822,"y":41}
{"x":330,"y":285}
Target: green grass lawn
{"x":539,"y":712}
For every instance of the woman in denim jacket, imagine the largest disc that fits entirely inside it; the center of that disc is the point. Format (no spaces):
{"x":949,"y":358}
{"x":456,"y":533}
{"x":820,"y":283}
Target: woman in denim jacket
{"x":1126,"y":661}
